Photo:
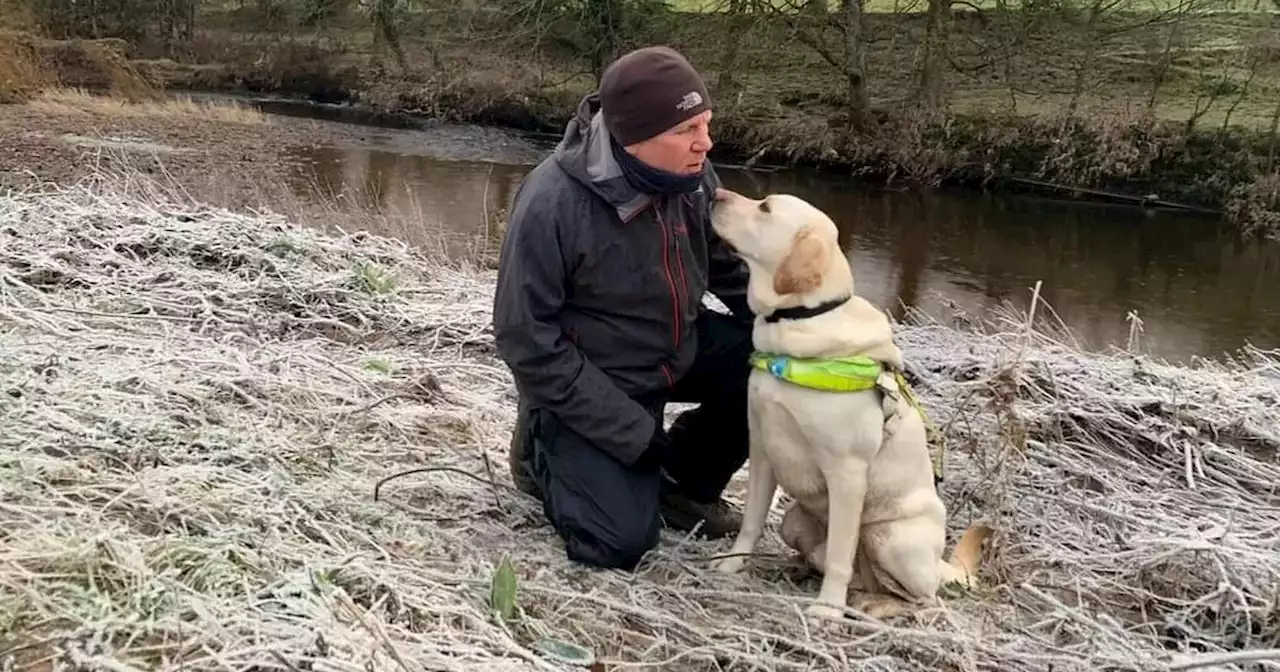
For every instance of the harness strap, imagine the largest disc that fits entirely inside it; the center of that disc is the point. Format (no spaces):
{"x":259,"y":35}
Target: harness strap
{"x":896,"y":390}
{"x":857,"y":374}
{"x":837,"y":374}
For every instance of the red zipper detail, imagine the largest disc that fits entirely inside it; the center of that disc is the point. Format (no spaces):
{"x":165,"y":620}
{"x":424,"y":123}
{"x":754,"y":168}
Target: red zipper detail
{"x":666,"y":267}
{"x":671,"y":382}
{"x":683,"y":287}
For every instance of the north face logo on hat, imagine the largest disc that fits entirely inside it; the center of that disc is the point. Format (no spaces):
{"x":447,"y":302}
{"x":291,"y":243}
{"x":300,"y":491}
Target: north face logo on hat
{"x":689,"y":101}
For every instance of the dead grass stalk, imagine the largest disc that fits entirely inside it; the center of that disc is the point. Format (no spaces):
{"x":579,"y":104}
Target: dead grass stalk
{"x":64,"y":101}
{"x":197,"y":405}
{"x":23,"y":71}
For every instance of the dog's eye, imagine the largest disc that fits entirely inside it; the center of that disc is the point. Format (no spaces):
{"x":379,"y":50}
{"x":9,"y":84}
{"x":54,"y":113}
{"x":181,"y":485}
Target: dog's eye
{"x":764,"y":206}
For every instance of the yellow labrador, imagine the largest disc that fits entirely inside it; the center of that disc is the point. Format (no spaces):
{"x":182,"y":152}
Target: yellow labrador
{"x":857,"y":463}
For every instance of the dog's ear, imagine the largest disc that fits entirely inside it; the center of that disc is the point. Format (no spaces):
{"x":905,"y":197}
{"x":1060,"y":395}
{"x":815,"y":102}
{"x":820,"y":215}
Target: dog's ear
{"x":801,"y":270}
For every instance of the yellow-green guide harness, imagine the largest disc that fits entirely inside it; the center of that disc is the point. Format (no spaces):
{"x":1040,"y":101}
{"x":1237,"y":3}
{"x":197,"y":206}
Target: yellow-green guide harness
{"x":846,"y":374}
{"x":852,"y":374}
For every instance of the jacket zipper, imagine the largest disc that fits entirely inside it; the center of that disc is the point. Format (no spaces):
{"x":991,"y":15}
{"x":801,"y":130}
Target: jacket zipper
{"x":684,"y":282}
{"x":666,"y":267}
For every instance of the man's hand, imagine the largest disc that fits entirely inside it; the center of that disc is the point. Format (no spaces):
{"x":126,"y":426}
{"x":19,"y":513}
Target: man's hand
{"x":658,"y":450}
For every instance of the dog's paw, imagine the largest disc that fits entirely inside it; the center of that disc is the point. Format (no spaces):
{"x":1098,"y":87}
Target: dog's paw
{"x":731,"y":565}
{"x":881,"y":607}
{"x":823,"y":612}
{"x":957,"y":587}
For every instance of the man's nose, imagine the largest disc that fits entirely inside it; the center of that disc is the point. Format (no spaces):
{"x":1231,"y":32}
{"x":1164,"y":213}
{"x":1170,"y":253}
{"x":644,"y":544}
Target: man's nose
{"x":703,"y":142}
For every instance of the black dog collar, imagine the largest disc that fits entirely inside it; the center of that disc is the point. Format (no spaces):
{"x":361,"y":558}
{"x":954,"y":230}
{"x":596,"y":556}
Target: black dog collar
{"x":803,"y":312}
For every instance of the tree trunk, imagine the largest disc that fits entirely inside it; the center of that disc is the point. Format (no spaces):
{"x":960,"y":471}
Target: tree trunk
{"x":384,"y":19}
{"x":1275,"y":117}
{"x":1161,"y":68}
{"x":855,"y":66}
{"x":933,"y":91}
{"x":606,"y":17}
{"x":726,"y":85}
{"x":1086,"y":60}
{"x":1275,"y":127}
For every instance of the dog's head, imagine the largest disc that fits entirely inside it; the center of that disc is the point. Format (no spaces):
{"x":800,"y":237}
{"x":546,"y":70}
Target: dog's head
{"x":790,"y":247}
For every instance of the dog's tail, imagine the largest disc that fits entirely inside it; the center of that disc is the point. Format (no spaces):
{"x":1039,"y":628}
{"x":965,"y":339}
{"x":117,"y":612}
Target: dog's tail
{"x":966,"y":557}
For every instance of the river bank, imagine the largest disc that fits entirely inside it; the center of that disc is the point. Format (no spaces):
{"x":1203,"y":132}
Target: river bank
{"x":224,"y":153}
{"x":1166,"y":284}
{"x":1013,"y":120}
{"x":201,"y":403}
{"x":1038,"y":103}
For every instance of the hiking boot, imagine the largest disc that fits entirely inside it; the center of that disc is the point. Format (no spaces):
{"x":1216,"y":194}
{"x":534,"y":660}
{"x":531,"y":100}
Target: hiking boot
{"x":718,"y":519}
{"x":518,"y":459}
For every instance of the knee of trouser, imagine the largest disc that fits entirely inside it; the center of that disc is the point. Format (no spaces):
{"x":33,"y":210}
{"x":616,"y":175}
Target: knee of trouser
{"x":620,"y":546}
{"x":729,"y":413}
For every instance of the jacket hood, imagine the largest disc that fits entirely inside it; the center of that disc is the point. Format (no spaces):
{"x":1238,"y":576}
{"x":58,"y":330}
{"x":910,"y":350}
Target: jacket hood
{"x":584,"y":153}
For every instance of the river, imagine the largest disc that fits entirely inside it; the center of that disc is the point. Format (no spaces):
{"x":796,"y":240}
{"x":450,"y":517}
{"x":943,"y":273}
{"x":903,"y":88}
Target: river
{"x":1198,"y":290}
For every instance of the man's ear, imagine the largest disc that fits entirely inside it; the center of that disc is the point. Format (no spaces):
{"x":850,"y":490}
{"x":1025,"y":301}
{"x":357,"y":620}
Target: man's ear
{"x":801,"y":270}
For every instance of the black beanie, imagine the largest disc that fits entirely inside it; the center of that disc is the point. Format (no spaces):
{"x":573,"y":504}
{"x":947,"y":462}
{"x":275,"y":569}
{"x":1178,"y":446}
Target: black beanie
{"x":648,"y":91}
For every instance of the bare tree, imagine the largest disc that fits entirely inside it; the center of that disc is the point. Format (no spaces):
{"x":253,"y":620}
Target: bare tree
{"x":855,"y":65}
{"x":933,"y":92}
{"x":1163,"y":65}
{"x":1273,"y":138}
{"x":1085,"y":64}
{"x":1256,"y":59}
{"x":739,"y":21}
{"x":384,"y":16}
{"x":177,"y":22}
{"x":849,"y":61}
{"x":605,"y":18}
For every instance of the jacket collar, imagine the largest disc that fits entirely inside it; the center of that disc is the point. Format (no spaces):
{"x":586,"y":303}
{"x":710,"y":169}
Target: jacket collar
{"x":584,"y":153}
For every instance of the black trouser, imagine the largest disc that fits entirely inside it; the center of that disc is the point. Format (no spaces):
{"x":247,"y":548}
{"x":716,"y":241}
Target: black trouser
{"x":607,"y":513}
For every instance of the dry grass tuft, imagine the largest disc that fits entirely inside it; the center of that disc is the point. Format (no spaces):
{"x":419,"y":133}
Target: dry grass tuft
{"x":17,"y":15}
{"x":23,"y":71}
{"x":79,"y":101}
{"x":197,"y":406}
{"x":30,"y":64}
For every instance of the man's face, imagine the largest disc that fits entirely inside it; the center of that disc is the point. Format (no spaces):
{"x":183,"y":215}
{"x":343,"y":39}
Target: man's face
{"x":681,"y":150}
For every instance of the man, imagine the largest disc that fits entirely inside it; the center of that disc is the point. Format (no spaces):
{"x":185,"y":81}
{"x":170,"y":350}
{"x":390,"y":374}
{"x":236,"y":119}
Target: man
{"x":598,"y":313}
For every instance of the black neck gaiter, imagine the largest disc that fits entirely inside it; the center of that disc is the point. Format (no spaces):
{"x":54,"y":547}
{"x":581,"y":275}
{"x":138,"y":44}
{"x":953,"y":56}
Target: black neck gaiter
{"x":650,"y":180}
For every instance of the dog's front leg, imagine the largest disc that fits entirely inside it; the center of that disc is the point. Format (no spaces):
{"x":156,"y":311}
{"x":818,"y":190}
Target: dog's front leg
{"x":846,"y":490}
{"x":761,"y":486}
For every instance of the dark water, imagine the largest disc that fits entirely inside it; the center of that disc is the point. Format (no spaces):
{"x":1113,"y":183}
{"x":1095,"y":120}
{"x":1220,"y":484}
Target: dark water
{"x":1197,"y":289}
